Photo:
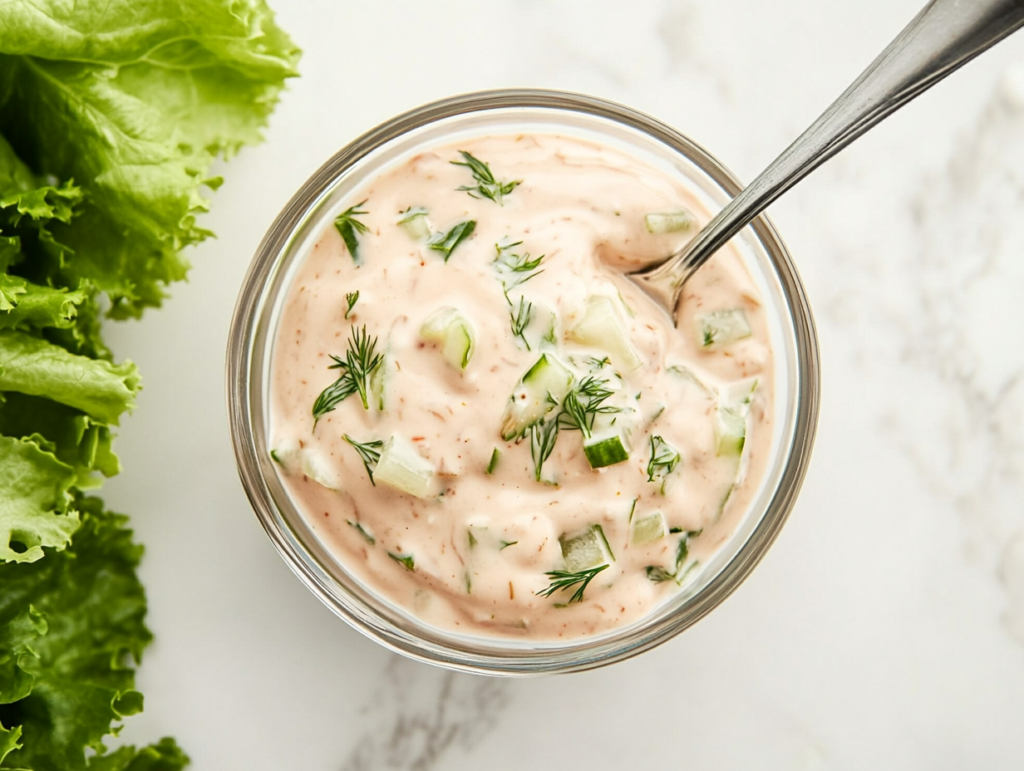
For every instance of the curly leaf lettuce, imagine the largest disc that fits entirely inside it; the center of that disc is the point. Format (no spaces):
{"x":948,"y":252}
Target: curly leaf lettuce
{"x":32,"y":365}
{"x":133,"y":99}
{"x":75,"y":648}
{"x":34,"y":505}
{"x":111,"y":112}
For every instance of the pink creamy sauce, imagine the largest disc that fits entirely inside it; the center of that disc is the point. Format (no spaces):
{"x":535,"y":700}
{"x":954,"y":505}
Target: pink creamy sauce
{"x":481,"y":544}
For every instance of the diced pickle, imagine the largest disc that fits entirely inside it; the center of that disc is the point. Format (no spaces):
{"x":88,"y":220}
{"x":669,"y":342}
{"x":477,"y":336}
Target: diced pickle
{"x":721,"y":327}
{"x":586,"y":550}
{"x":541,"y":389}
{"x":649,"y":528}
{"x":605,"y":450}
{"x":403,"y":468}
{"x":602,"y":326}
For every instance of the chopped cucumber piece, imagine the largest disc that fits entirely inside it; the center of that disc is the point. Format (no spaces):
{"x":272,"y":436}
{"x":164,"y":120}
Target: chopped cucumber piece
{"x":539,"y":391}
{"x":686,"y":374}
{"x":586,"y":550}
{"x":453,"y":333}
{"x":669,"y":222}
{"x":721,"y":327}
{"x":378,"y":381}
{"x":414,"y":222}
{"x":649,"y":528}
{"x":605,"y":450}
{"x":402,"y":467}
{"x":602,"y":326}
{"x":731,"y":420}
{"x":319,"y":469}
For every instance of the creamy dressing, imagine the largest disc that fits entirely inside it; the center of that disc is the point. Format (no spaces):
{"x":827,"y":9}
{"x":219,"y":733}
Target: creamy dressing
{"x":473,"y":553}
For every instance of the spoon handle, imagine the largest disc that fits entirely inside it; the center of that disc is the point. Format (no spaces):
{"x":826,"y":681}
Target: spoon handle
{"x":945,"y":35}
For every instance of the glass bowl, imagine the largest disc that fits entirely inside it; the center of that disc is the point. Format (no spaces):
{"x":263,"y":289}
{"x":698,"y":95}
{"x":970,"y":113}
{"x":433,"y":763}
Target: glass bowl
{"x":319,"y":201}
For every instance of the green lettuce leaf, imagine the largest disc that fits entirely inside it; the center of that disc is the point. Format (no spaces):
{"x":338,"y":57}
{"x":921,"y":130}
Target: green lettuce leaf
{"x":24,"y":305}
{"x":134,"y":99}
{"x":32,"y":365}
{"x":165,"y":755}
{"x":34,"y":511}
{"x":72,"y":436}
{"x":83,"y":675}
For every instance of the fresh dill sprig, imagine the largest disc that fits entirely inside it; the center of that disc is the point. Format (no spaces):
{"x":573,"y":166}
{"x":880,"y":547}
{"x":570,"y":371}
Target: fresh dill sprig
{"x":445,"y":243}
{"x":361,"y":360}
{"x":335,"y":393}
{"x":664,"y":459}
{"x":366,"y":534}
{"x":658,"y":574}
{"x":369,"y":452}
{"x":349,"y":228}
{"x":520,"y":319}
{"x":359,"y":363}
{"x":543,"y":436}
{"x":351,"y":298}
{"x":562,"y":580}
{"x":405,"y":560}
{"x":515,"y":269}
{"x":583,"y":403}
{"x":486,"y":185}
{"x":596,"y":363}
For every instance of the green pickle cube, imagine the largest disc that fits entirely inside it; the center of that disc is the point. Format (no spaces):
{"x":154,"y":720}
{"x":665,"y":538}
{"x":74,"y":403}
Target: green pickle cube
{"x":606,"y":450}
{"x":721,"y":327}
{"x":586,"y":550}
{"x":650,"y":528}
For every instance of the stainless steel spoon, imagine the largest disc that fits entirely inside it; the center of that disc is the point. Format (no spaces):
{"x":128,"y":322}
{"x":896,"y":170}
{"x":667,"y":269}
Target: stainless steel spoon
{"x":944,"y":36}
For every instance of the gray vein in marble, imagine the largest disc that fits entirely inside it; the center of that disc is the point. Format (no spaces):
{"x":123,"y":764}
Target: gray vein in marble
{"x":418,"y":714}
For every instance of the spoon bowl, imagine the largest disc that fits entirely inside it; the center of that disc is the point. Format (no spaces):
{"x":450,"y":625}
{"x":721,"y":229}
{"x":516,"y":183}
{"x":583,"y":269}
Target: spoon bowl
{"x":944,"y":36}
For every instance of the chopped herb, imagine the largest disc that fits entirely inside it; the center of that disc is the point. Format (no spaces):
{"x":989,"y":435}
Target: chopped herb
{"x":359,"y":363}
{"x":493,"y":465}
{"x":632,"y":511}
{"x":470,"y":537}
{"x":506,"y":544}
{"x":664,"y":459}
{"x":349,"y":228}
{"x":446,"y":242}
{"x":369,"y":452}
{"x":363,"y":532}
{"x":334,"y":394}
{"x":411,"y":213}
{"x":406,"y":560}
{"x":583,"y":403}
{"x":600,"y":531}
{"x":351,"y":298}
{"x":469,"y":583}
{"x":596,"y":363}
{"x":562,"y":580}
{"x":543,"y":436}
{"x":520,"y":320}
{"x":486,"y":185}
{"x":659,"y":574}
{"x":515,"y":269}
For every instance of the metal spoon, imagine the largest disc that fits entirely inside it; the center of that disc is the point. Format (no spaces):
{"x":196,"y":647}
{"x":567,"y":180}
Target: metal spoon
{"x":945,"y":35}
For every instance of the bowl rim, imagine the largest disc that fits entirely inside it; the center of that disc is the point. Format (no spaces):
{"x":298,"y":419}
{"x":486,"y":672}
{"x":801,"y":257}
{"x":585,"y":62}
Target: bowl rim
{"x":576,"y":655}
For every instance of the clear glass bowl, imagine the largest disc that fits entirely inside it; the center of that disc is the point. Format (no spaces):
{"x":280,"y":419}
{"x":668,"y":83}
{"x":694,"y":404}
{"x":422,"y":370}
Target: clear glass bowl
{"x":318,"y":202}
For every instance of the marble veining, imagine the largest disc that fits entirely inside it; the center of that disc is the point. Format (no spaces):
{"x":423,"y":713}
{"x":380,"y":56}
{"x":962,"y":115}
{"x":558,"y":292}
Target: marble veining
{"x":417,"y":714}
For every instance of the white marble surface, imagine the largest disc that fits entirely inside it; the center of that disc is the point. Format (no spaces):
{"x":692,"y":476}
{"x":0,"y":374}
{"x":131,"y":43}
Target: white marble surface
{"x":886,"y":627}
